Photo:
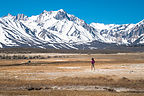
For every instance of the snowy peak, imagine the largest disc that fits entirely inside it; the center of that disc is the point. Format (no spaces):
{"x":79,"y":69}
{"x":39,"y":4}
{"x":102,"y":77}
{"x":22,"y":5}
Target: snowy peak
{"x":47,"y":15}
{"x":99,"y":26}
{"x":21,"y":17}
{"x":58,"y":29}
{"x":44,"y":12}
{"x":140,"y":23}
{"x":9,"y":15}
{"x":61,"y":14}
{"x":61,"y":10}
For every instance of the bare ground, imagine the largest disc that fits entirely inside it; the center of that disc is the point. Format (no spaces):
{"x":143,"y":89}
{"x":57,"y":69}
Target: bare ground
{"x":57,"y":75}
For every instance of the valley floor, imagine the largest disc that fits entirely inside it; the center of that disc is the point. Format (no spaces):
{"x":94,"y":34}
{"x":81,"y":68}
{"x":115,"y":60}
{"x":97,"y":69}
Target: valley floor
{"x":71,"y":75}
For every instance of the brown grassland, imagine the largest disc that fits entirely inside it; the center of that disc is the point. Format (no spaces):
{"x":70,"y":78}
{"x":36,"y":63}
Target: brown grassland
{"x":41,"y":75}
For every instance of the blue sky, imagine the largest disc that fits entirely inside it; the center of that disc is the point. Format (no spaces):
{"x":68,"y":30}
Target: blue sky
{"x":99,"y":11}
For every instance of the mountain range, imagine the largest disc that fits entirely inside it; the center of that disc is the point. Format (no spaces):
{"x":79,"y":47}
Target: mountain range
{"x":60,"y":30}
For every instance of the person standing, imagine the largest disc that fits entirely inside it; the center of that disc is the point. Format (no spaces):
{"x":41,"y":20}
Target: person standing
{"x":92,"y":64}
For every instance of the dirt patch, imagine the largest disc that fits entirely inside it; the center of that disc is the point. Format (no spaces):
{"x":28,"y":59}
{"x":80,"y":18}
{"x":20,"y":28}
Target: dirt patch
{"x":65,"y":93}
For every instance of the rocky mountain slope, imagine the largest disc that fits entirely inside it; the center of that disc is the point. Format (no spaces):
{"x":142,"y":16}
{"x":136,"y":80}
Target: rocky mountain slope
{"x":58,"y":29}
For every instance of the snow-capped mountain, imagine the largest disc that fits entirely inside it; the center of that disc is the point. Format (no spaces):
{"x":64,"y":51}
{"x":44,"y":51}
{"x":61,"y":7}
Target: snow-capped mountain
{"x":121,"y":34}
{"x":58,"y":29}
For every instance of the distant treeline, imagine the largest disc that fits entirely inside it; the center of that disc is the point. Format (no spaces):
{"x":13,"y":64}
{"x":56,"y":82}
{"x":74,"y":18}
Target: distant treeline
{"x":21,"y":57}
{"x":30,"y":57}
{"x":119,"y":49}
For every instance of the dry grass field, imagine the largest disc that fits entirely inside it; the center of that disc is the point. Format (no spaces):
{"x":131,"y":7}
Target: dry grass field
{"x":56,"y":74}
